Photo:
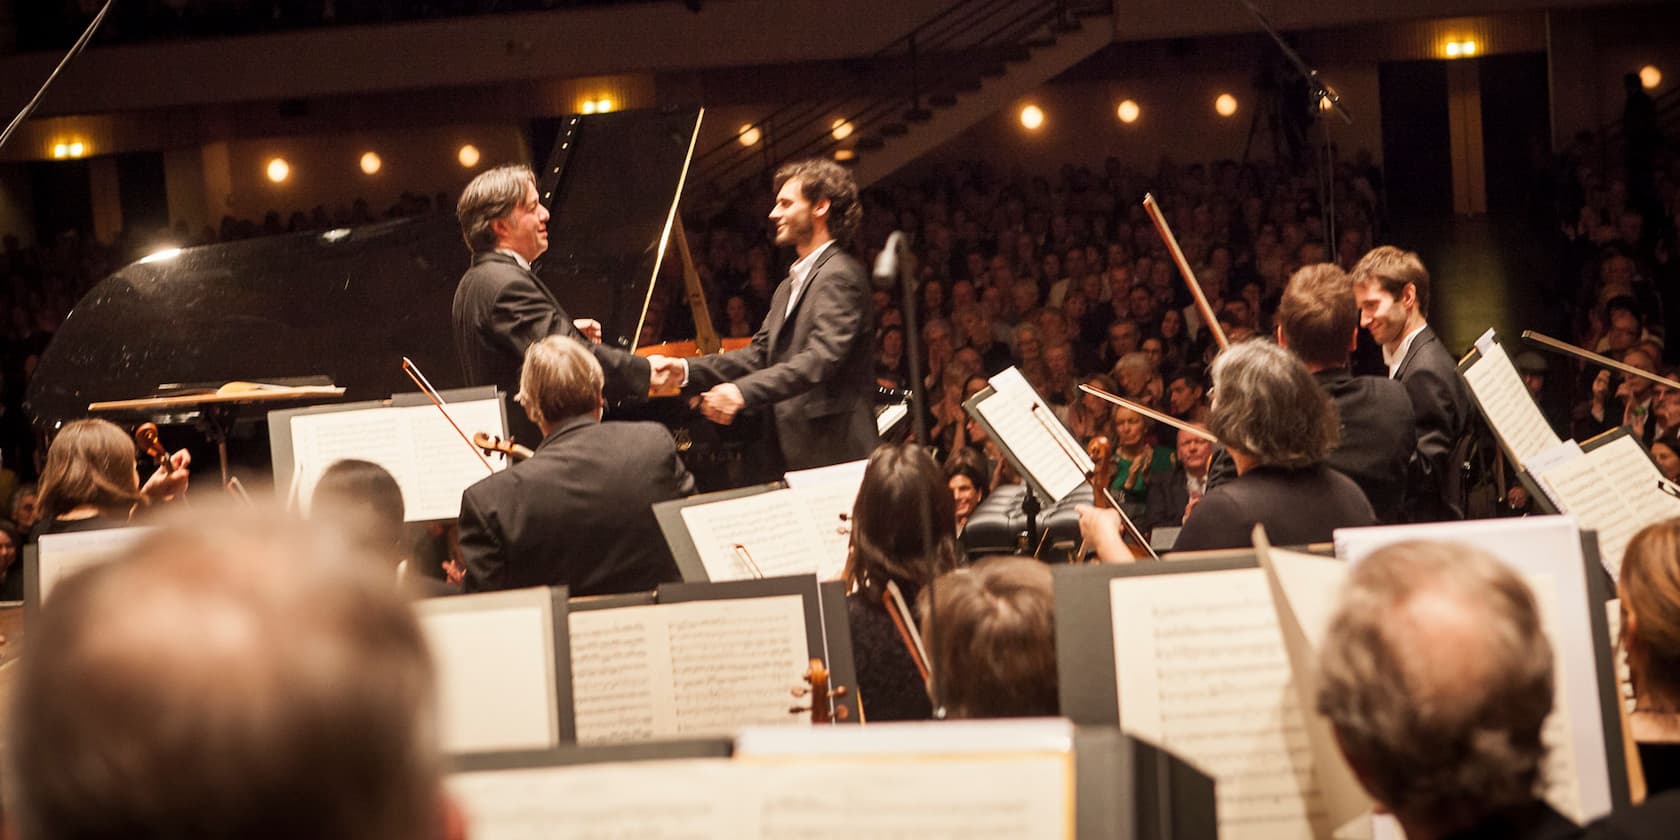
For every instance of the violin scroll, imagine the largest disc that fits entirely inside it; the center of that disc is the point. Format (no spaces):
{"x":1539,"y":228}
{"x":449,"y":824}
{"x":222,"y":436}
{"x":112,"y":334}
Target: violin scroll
{"x":495,"y":445}
{"x":817,"y":688}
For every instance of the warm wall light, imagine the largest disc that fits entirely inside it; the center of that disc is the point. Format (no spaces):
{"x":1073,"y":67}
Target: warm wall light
{"x":840,"y":128}
{"x":77,"y":148}
{"x":1225,"y":105}
{"x":1461,"y":49}
{"x":1128,"y":111}
{"x":749,"y":135}
{"x":69,"y":149}
{"x":603,"y":105}
{"x":279,"y":170}
{"x":1650,"y":76}
{"x":844,"y":154}
{"x":468,"y":156}
{"x":1454,"y":49}
{"x":589,"y":106}
{"x":371,"y":162}
{"x":61,"y":151}
{"x":1469,"y":48}
{"x":1032,"y":117}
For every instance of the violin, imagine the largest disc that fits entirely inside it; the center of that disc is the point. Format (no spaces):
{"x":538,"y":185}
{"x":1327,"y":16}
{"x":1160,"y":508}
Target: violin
{"x":495,"y":445}
{"x":817,"y":688}
{"x":1101,"y":451}
{"x":146,"y":437}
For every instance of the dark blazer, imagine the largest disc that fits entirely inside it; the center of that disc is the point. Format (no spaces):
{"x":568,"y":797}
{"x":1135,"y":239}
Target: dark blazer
{"x":1296,"y":506}
{"x":578,"y":512}
{"x":1168,"y":494}
{"x":813,"y":368}
{"x":1653,"y":819}
{"x":500,"y":310}
{"x":1441,"y":406}
{"x":1378,"y":436}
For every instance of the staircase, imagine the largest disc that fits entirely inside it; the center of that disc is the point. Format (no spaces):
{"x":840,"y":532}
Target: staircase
{"x":919,"y":91}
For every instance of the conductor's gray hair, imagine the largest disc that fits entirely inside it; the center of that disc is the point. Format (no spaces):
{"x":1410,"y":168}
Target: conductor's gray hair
{"x":560,"y":379}
{"x":491,"y":196}
{"x":1268,"y":407}
{"x":1440,"y":709}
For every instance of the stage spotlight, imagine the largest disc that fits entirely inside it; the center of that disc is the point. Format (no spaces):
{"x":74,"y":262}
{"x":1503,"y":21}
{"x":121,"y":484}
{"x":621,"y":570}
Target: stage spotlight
{"x":1032,"y":117}
{"x":371,"y":162}
{"x":468,"y":156}
{"x":279,"y":170}
{"x":1225,"y":105}
{"x":749,"y":135}
{"x":1128,"y":111}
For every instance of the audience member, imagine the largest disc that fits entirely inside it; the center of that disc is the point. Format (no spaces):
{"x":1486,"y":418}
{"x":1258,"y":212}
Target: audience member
{"x":967,"y":477}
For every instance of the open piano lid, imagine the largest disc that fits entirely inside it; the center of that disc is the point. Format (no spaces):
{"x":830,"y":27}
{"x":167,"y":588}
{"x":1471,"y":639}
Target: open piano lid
{"x":349,"y":304}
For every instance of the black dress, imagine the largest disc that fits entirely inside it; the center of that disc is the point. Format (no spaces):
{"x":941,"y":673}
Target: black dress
{"x":889,"y":686}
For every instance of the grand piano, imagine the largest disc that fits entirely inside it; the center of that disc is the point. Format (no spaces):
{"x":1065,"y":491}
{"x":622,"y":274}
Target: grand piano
{"x":346,"y":306}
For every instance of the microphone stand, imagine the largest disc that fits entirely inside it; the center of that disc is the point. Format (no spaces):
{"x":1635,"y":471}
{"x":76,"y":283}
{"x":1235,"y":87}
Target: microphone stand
{"x":1320,"y":93}
{"x":904,"y":276}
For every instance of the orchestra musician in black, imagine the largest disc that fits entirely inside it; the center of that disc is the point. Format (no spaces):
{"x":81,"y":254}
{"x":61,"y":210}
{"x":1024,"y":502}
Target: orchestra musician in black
{"x":578,"y":512}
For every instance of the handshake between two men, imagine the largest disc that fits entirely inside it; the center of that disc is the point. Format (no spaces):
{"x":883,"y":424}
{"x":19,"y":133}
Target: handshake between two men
{"x":719,"y":405}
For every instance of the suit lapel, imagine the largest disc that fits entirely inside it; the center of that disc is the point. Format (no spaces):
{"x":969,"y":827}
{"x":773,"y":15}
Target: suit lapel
{"x":799,"y":302}
{"x":1424,"y":336}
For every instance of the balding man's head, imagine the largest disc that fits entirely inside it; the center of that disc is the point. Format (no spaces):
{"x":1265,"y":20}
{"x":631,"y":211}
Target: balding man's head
{"x":1438,"y":678}
{"x":238,"y":680}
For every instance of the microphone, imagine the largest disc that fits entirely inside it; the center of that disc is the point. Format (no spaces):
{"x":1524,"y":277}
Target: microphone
{"x":886,"y":263}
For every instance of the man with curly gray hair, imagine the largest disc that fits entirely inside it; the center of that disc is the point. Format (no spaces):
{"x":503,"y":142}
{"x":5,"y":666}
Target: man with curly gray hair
{"x":1437,"y":677}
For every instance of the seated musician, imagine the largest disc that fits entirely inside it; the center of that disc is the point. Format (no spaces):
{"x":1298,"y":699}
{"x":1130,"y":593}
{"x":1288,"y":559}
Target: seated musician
{"x":1278,"y":427}
{"x":91,"y":480}
{"x":1437,"y":676}
{"x":1650,"y":593}
{"x":578,"y":512}
{"x":235,"y":679}
{"x":1318,"y":321}
{"x":888,"y":546}
{"x":363,"y":501}
{"x":991,"y":629}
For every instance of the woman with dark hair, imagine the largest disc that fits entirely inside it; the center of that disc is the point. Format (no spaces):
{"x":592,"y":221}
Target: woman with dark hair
{"x":889,"y":551}
{"x":11,"y":571}
{"x":91,"y":481}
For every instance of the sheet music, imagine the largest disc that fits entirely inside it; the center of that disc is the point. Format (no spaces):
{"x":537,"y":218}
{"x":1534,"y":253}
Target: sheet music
{"x":59,"y":556}
{"x":815,"y":797}
{"x":690,"y":669}
{"x":1560,"y":770}
{"x":1510,"y":409}
{"x":1202,"y":671}
{"x":1611,"y":490}
{"x":1041,"y":444}
{"x":786,"y":532}
{"x":415,"y":444}
{"x":496,"y":682}
{"x":657,"y":800}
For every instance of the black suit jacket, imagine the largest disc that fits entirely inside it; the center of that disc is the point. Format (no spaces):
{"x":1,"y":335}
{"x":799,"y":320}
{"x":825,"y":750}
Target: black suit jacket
{"x":1296,"y":506}
{"x":1441,"y":406}
{"x":579,"y":512}
{"x":1378,"y":436}
{"x":813,"y":368}
{"x":500,"y":310}
{"x":1168,"y":494}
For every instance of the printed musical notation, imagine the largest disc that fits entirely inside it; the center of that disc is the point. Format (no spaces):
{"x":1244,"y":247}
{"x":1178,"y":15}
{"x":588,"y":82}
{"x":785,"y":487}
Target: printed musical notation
{"x":1201,"y":669}
{"x":688,"y":669}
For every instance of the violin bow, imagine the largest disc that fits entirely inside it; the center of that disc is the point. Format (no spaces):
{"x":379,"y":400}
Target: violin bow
{"x":413,"y":371}
{"x":1202,"y":305}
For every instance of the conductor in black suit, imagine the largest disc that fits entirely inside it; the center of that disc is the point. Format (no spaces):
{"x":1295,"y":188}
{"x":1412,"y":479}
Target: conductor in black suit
{"x":1392,"y":289}
{"x":579,"y":512}
{"x":1318,"y":320}
{"x":811,"y":364}
{"x":501,"y":308}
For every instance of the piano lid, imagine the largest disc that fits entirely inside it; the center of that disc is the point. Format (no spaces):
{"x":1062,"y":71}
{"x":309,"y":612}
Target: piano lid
{"x":349,"y":304}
